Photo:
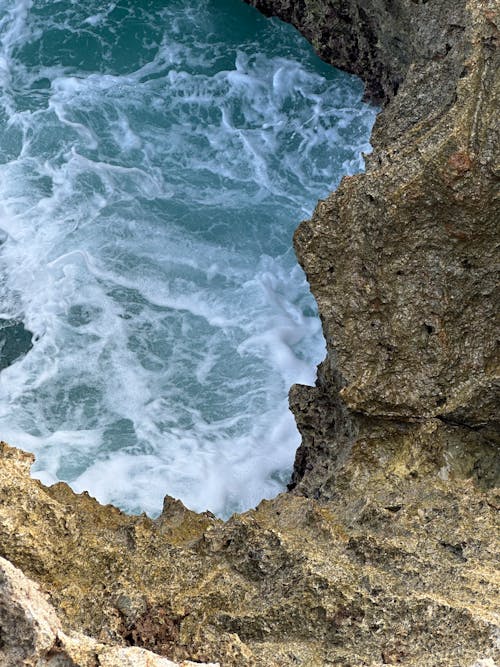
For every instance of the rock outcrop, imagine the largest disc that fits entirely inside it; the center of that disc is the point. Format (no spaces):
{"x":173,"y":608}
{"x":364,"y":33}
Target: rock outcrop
{"x":32,"y":633}
{"x":385,"y":552}
{"x":402,"y":259}
{"x":400,"y":568}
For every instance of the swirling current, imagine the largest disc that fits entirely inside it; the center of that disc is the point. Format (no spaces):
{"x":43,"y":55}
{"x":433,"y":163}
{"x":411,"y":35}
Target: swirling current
{"x":155,"y":158}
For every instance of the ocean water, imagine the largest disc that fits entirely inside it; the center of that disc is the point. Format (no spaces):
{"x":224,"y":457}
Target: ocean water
{"x":155,"y":158}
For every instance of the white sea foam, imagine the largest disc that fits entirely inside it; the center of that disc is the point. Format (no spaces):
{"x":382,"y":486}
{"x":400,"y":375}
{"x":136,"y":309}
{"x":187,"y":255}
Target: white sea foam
{"x":148,"y":198}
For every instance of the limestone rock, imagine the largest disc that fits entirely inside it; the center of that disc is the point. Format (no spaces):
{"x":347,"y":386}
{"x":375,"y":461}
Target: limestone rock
{"x":29,"y":625}
{"x":386,"y":552}
{"x":393,"y":569}
{"x":32,"y":634}
{"x":402,"y":259}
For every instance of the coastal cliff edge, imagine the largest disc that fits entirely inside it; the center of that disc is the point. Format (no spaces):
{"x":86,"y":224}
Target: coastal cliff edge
{"x":385,"y":549}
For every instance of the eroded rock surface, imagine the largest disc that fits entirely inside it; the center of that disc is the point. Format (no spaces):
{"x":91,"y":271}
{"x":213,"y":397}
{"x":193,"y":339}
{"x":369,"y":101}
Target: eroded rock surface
{"x":386,"y":552}
{"x":400,"y":567}
{"x":32,"y":634}
{"x":402,"y":260}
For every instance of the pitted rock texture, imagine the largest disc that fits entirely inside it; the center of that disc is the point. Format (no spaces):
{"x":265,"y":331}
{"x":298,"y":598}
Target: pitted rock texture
{"x":333,"y":440}
{"x":394,"y":570}
{"x":32,"y":634}
{"x":386,"y":552}
{"x":403,"y":260}
{"x":379,"y":40}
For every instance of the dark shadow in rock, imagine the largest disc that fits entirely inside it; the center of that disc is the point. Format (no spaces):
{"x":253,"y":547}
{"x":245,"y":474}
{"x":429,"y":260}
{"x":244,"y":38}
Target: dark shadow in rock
{"x":15,"y":341}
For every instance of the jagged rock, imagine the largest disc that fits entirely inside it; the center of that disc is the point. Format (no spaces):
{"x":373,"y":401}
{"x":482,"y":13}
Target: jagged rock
{"x":32,"y":634}
{"x":392,"y":570}
{"x":402,"y":259}
{"x":386,"y":552}
{"x":29,"y":625}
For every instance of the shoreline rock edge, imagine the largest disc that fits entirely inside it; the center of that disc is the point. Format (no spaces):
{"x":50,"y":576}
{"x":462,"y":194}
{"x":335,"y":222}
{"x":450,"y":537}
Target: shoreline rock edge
{"x":386,"y":550}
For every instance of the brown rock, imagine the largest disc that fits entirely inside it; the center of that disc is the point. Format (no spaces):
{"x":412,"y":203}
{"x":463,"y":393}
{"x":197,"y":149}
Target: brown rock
{"x":393,"y":565}
{"x":387,"y":551}
{"x":402,"y":259}
{"x":32,"y":634}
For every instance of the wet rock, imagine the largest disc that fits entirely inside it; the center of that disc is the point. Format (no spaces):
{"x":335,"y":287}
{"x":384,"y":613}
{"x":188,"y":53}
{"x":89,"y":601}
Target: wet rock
{"x":15,"y":341}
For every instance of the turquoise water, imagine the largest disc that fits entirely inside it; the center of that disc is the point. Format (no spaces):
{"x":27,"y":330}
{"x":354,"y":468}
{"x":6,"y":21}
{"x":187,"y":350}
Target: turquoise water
{"x":155,"y":158}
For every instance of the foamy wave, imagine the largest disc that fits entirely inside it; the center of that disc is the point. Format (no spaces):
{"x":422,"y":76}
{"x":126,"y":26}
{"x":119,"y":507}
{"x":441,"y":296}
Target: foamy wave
{"x":149,"y":196}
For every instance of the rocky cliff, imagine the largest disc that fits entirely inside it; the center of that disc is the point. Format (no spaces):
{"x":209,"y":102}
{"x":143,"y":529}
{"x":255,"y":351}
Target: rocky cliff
{"x":402,"y":259}
{"x":385,"y":552}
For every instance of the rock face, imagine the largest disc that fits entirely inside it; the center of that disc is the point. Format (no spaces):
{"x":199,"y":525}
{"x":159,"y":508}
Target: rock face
{"x":386,"y":551}
{"x":402,"y":259}
{"x":398,"y":571}
{"x":32,"y":634}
